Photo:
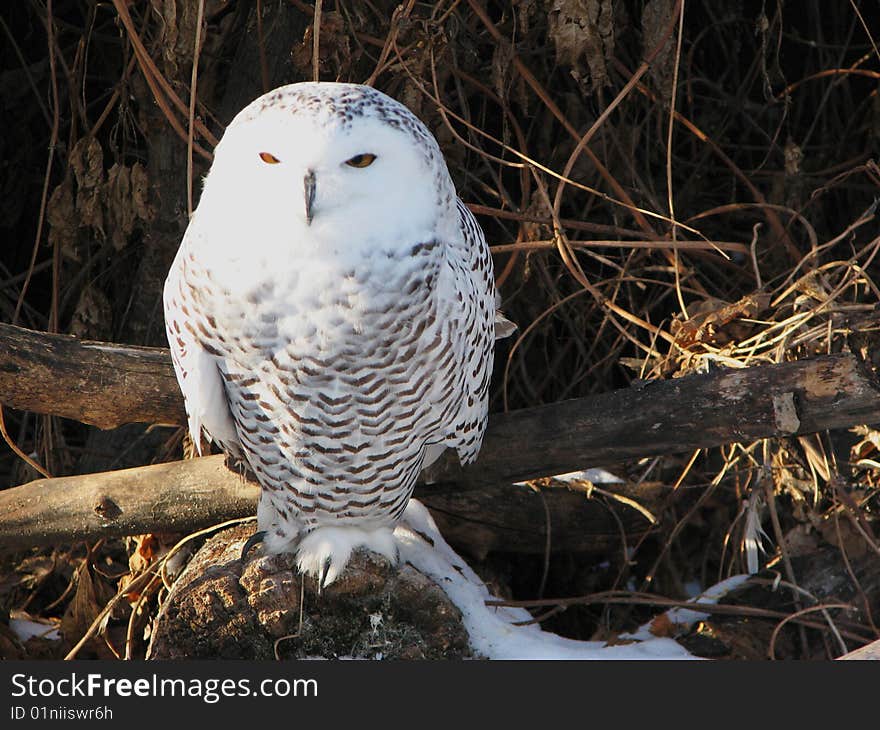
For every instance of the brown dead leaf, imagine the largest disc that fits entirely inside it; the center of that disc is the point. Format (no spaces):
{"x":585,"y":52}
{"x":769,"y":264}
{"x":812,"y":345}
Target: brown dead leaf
{"x":177,"y":31}
{"x":147,"y":549}
{"x":708,"y":325}
{"x":92,"y":593}
{"x":87,"y":162}
{"x":61,"y":216}
{"x":662,"y":626}
{"x":583,"y":30}
{"x":140,"y":193}
{"x":91,"y":214}
{"x":120,"y":212}
{"x":126,"y":201}
{"x":93,"y":315}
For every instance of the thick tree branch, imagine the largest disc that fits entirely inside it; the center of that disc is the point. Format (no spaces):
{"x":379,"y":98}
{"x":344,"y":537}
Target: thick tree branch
{"x":178,"y":496}
{"x":108,"y":385}
{"x":98,"y":383}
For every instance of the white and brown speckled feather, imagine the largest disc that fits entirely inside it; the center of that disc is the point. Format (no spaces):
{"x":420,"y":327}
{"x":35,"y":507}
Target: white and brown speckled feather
{"x":335,"y":368}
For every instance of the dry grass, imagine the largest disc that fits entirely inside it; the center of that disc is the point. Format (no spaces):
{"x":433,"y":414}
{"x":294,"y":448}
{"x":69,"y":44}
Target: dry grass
{"x":671,"y":187}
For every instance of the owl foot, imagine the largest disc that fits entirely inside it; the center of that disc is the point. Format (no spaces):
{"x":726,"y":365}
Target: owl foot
{"x":324,"y":552}
{"x":252,"y":542}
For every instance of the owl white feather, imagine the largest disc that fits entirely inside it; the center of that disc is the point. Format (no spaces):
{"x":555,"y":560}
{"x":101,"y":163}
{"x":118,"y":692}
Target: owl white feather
{"x":331,"y":315}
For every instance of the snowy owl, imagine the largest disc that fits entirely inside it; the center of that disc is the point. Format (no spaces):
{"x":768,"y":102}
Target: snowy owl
{"x":331,"y":313}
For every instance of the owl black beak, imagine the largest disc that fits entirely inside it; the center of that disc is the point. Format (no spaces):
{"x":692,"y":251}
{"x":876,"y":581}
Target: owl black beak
{"x":309,"y":191}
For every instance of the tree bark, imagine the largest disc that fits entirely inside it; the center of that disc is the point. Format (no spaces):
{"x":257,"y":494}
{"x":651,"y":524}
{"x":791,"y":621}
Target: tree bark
{"x":176,"y":497}
{"x":98,"y":383}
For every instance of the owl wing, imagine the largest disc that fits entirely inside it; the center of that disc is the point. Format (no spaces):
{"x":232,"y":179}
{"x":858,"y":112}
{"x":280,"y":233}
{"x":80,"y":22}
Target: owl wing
{"x":475,"y":288}
{"x":200,"y":380}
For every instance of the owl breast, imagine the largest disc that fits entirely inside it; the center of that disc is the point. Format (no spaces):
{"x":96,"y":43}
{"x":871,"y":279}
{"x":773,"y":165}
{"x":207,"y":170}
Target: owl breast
{"x":338,"y":377}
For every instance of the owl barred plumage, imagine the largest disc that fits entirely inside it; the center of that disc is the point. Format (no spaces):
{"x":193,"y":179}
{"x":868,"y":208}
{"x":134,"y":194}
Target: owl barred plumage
{"x":331,"y":315}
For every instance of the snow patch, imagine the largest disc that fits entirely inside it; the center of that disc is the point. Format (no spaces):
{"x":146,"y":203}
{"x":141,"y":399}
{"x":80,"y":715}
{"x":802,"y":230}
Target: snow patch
{"x":686,"y":617}
{"x":492,"y":629}
{"x":596,"y":476}
{"x":25,"y":629}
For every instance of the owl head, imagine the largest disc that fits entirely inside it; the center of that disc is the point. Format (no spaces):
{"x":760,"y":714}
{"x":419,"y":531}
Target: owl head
{"x":315,"y":165}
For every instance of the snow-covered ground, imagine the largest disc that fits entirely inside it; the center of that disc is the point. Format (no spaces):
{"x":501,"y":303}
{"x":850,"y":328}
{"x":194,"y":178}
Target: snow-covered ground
{"x":493,"y":630}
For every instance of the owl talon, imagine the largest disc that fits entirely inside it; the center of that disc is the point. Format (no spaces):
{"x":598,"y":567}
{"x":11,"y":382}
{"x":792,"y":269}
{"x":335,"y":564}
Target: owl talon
{"x":324,"y":552}
{"x":252,"y":542}
{"x":324,"y":574}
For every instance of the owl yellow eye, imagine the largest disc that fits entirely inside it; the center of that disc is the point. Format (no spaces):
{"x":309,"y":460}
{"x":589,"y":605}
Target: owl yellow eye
{"x":364,"y":160}
{"x":269,"y":158}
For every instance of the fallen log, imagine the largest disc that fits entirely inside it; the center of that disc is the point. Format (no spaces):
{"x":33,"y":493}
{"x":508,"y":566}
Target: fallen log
{"x":661,"y":417}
